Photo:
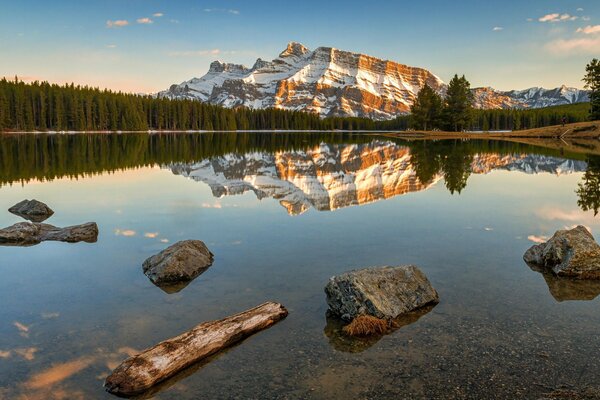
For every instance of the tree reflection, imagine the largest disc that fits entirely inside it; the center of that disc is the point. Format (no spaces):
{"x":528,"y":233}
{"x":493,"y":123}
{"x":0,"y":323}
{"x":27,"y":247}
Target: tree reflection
{"x":589,"y":188}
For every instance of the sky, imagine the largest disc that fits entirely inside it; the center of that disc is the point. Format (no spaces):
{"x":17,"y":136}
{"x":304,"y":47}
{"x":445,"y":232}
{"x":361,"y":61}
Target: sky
{"x":145,"y":46}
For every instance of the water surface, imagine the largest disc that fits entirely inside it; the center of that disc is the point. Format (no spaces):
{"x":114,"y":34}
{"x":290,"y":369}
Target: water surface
{"x":283,"y":213}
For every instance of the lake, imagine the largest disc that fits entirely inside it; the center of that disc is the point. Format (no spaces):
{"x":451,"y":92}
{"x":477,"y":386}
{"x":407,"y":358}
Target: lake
{"x":283,"y":213}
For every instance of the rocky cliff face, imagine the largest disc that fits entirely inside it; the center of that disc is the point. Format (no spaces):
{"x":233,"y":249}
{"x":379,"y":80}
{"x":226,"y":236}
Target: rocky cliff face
{"x":332,"y":82}
{"x":488,"y":98}
{"x":326,"y":81}
{"x":329,"y":177}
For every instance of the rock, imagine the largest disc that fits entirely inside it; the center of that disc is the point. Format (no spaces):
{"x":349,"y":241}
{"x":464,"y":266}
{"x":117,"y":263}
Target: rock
{"x":141,"y":372}
{"x":32,"y":233}
{"x":382,"y":292}
{"x":181,"y":262}
{"x":569,"y":253}
{"x":32,"y":210}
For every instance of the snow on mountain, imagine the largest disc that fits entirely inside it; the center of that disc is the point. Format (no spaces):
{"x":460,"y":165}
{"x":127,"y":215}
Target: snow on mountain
{"x":326,"y":81}
{"x":328,"y":177}
{"x":332,"y":82}
{"x":488,"y":98}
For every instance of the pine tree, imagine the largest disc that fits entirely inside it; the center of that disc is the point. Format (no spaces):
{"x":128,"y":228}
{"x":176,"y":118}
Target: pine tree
{"x":458,"y":105}
{"x":592,"y":83}
{"x":427,"y":109}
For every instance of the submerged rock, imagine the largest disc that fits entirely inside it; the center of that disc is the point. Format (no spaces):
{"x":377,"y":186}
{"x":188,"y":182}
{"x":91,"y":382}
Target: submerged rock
{"x":32,"y":210}
{"x":32,"y":233}
{"x":569,"y":253}
{"x":181,"y":262}
{"x":382,"y":292}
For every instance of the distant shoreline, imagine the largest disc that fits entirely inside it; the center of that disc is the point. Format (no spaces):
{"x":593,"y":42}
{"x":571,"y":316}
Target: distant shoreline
{"x":580,"y":130}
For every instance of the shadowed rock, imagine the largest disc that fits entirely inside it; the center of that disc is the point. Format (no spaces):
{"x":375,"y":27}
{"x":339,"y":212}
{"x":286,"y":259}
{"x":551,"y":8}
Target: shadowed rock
{"x":569,"y":253}
{"x":32,"y":210}
{"x":382,"y":292}
{"x":180,"y":263}
{"x":32,"y":233}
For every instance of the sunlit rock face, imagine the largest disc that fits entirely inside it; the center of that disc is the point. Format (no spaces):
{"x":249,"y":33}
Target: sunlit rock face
{"x":326,"y":81}
{"x":328,"y":177}
{"x":489,"y":98}
{"x":332,"y":82}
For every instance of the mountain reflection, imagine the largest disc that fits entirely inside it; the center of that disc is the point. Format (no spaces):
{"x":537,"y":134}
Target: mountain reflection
{"x":325,"y":171}
{"x":332,"y":176}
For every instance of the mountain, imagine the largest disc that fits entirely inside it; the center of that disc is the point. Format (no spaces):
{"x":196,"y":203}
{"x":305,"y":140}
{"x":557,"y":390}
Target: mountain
{"x":328,"y":177}
{"x":334,"y":82}
{"x":326,"y":81}
{"x":488,"y":98}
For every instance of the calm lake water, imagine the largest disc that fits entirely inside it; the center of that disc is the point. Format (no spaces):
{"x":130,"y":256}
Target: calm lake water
{"x":283,"y":213}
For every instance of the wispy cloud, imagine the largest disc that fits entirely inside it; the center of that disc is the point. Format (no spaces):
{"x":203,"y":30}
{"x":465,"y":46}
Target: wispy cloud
{"x":498,"y":28}
{"x":119,"y":23}
{"x":151,"y":235}
{"x":223,"y":10}
{"x":144,"y":21}
{"x":158,"y":15}
{"x":587,"y":45}
{"x":111,"y":46}
{"x":579,"y":9}
{"x":196,"y":53}
{"x":589,"y":30}
{"x":556,"y":17}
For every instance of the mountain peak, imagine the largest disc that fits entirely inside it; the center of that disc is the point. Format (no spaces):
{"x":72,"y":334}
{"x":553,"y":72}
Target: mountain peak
{"x":218,"y":66}
{"x":294,"y":49}
{"x":332,"y":82}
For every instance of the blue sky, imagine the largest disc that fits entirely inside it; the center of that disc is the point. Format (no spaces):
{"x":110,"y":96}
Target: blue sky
{"x":146,"y":45}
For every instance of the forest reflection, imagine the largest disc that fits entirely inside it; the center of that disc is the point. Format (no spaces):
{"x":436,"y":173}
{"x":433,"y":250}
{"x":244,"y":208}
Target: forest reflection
{"x":43,"y":157}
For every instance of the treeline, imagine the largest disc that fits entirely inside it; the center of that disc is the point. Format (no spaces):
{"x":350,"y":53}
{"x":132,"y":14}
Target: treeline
{"x":41,"y":106}
{"x":508,"y":119}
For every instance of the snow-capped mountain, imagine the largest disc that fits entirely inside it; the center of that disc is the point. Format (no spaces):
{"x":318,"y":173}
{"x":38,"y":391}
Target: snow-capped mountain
{"x":329,"y":177}
{"x":334,"y":82}
{"x":488,"y":98}
{"x":326,"y":81}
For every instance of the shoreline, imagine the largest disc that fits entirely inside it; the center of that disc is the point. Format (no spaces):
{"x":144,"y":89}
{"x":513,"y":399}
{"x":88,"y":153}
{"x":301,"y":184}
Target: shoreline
{"x":580,"y":130}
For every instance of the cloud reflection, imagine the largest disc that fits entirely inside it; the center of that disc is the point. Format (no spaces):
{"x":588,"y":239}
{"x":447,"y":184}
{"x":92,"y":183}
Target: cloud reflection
{"x":58,"y":373}
{"x":23,"y":329}
{"x":125,"y":232}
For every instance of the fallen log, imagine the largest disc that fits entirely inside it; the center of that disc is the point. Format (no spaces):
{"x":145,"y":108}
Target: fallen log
{"x":139,"y":373}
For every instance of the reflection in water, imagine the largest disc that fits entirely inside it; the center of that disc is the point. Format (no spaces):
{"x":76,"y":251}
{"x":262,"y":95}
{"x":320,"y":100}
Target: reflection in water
{"x":589,"y":188}
{"x":353,"y":344}
{"x":564,"y":289}
{"x":58,"y":373}
{"x":328,"y":177}
{"x":326,"y":171}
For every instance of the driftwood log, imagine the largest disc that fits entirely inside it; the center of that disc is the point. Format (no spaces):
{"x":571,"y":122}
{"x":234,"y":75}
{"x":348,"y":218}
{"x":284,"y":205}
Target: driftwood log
{"x":139,"y":373}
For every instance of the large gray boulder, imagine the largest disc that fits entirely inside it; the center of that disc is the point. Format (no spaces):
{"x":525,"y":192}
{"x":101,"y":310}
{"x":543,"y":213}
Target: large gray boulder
{"x":569,"y":253}
{"x":32,"y":233}
{"x":181,"y":262}
{"x":382,"y":292}
{"x":32,"y":210}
